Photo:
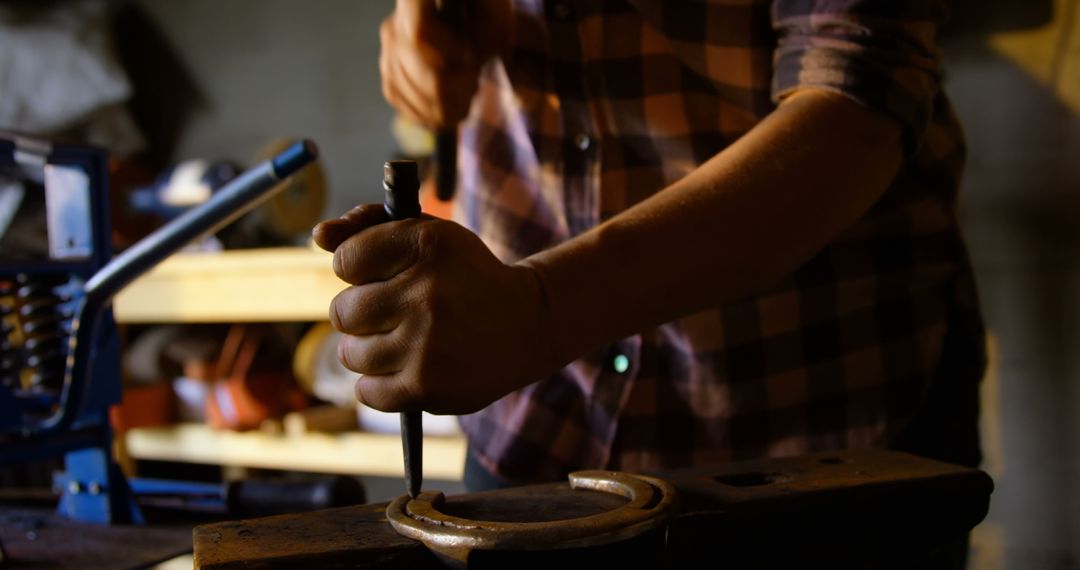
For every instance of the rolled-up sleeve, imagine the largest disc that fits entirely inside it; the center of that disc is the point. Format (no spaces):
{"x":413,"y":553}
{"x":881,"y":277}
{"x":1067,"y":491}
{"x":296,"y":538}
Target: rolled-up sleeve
{"x":881,"y":53}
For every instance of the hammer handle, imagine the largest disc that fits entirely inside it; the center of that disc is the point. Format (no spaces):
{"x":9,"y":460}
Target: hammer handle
{"x":445,"y":164}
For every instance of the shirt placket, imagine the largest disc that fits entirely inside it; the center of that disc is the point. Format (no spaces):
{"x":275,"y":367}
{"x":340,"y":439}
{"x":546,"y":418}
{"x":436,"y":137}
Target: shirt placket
{"x":577,"y":148}
{"x":580,"y":155}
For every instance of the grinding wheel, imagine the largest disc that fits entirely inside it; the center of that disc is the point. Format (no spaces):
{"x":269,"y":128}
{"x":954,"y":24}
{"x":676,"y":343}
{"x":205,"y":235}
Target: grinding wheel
{"x":299,"y":205}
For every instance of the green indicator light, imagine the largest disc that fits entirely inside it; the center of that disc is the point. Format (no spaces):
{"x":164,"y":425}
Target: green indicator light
{"x":621,"y":363}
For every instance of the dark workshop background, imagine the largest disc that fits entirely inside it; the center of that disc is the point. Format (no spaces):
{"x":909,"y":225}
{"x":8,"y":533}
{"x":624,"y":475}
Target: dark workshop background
{"x":259,"y":69}
{"x":242,"y":73}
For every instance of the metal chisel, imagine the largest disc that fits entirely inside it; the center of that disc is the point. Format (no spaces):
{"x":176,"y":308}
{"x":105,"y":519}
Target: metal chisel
{"x":401,"y":180}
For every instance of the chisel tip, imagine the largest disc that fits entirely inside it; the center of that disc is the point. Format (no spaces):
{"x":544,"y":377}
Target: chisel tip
{"x":412,"y":445}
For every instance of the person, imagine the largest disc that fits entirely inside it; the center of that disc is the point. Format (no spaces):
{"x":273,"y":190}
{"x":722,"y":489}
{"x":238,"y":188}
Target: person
{"x":686,"y":233}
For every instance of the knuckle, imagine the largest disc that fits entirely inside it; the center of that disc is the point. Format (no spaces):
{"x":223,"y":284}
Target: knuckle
{"x":428,"y":236}
{"x":436,"y":302}
{"x":404,"y":344}
{"x":415,"y":391}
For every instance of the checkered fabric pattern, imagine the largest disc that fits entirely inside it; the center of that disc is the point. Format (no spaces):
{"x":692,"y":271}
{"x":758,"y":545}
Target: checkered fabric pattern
{"x":600,"y":104}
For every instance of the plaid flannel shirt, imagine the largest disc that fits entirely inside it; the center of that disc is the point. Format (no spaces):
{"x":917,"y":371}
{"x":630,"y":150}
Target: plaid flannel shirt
{"x":601,"y":103}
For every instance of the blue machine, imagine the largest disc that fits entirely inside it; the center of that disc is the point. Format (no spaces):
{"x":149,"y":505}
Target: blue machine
{"x":59,"y":349}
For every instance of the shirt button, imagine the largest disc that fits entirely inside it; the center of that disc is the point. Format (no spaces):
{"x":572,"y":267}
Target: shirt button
{"x":561,"y":10}
{"x":583,"y":141}
{"x":621,"y":363}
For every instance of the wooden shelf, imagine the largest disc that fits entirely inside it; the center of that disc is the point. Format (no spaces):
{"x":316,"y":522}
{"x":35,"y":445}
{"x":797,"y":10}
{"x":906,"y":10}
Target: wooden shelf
{"x":349,"y":453}
{"x":256,"y":285}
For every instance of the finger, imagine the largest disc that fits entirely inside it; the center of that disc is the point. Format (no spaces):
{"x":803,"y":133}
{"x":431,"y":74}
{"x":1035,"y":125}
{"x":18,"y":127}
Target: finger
{"x":394,"y":98}
{"x":390,"y":91}
{"x":408,"y":96}
{"x":419,"y":84}
{"x":374,"y":354}
{"x":404,"y":110}
{"x":407,"y":102}
{"x":385,"y":392}
{"x":329,"y":234}
{"x":370,"y":309}
{"x":392,"y":76}
{"x":378,"y":253}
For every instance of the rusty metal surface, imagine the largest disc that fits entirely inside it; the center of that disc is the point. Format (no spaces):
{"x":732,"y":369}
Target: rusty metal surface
{"x":851,"y":509}
{"x":865,"y":509}
{"x":650,"y":502}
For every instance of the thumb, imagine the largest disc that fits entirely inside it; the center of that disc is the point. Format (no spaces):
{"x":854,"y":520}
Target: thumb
{"x":329,"y":234}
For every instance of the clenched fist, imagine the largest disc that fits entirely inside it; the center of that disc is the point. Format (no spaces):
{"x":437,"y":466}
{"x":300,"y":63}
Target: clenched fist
{"x":432,"y":319}
{"x":430,"y":61}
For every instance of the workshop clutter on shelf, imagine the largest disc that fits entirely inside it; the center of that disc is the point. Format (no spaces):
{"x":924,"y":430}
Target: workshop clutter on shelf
{"x":321,"y":375}
{"x":242,"y":394}
{"x":281,"y":377}
{"x":231,"y":377}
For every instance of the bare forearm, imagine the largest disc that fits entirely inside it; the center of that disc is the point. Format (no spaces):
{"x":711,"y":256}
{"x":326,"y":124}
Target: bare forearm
{"x":743,"y":220}
{"x":433,"y":320}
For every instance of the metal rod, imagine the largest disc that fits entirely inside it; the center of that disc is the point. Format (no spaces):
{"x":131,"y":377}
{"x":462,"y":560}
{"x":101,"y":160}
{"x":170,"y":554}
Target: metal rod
{"x":229,"y":203}
{"x":445,"y":163}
